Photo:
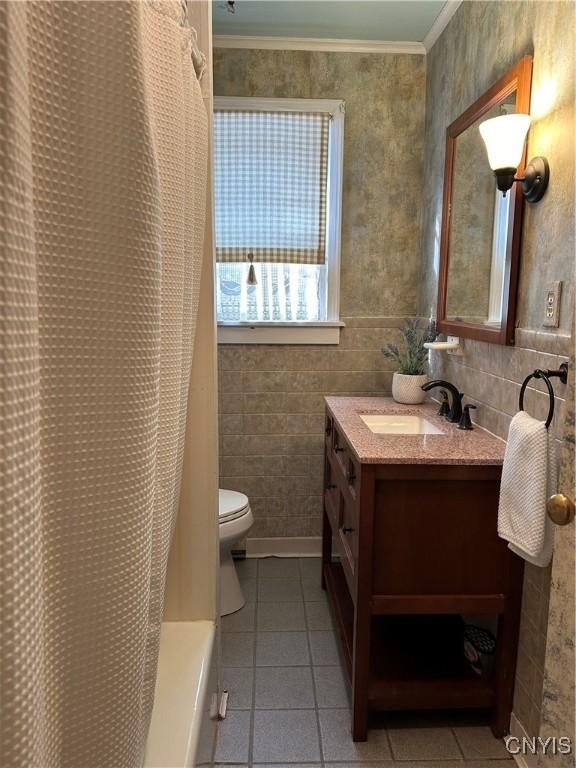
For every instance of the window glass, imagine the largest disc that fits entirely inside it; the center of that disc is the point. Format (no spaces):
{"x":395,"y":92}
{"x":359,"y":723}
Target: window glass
{"x":284,"y":293}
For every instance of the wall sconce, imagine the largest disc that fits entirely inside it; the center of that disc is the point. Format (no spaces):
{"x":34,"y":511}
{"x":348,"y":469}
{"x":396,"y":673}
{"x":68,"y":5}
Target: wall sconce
{"x":504,"y":137}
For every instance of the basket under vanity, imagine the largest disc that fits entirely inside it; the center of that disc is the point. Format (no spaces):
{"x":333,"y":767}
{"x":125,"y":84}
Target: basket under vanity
{"x":410,"y":546}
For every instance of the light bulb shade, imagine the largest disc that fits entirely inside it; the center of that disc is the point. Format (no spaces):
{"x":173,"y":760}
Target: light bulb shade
{"x":504,"y":137}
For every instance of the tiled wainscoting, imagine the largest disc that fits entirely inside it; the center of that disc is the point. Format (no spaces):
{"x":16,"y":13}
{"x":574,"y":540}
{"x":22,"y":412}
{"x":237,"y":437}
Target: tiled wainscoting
{"x":288,"y":702}
{"x":272,"y":418}
{"x":490,"y":376}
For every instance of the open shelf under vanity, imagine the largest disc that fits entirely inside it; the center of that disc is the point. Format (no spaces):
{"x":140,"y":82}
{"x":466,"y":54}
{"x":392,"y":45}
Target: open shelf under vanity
{"x":416,"y":661}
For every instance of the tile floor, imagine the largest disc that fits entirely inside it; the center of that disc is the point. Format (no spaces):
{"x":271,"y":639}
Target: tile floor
{"x":288,"y":701}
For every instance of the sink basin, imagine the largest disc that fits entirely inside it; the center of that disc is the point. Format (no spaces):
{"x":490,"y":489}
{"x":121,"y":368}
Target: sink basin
{"x":398,"y":424}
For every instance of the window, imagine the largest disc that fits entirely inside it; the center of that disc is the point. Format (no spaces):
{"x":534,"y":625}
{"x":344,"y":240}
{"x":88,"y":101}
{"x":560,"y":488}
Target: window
{"x":277,"y":189}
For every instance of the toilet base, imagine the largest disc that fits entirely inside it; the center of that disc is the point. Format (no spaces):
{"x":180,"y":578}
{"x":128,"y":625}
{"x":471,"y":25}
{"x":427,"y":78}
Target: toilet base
{"x":231,"y":595}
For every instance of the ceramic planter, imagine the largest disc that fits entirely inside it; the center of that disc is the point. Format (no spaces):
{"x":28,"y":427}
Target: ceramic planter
{"x":407,"y":389}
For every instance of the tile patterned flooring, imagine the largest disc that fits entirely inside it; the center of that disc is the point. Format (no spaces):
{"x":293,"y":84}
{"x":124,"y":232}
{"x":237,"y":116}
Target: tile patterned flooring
{"x":288,"y":701}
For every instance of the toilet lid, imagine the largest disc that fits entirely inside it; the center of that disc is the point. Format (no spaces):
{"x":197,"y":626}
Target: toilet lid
{"x":231,"y":505}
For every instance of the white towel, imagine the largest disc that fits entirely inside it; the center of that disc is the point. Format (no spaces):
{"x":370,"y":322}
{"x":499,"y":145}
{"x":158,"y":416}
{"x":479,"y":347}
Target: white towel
{"x":528,"y":478}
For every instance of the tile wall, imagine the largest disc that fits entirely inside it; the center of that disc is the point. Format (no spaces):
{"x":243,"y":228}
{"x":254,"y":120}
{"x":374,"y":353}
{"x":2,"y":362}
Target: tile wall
{"x":272,"y":418}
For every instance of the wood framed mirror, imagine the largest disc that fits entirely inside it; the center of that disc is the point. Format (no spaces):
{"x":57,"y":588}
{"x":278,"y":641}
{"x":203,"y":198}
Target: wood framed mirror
{"x":481,"y":229}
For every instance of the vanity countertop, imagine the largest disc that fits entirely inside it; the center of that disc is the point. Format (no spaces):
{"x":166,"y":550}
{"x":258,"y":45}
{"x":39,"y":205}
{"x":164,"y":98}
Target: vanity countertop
{"x":453,"y":446}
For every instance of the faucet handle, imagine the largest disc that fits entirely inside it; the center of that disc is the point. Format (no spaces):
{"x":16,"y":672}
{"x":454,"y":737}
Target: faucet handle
{"x":465,"y":420}
{"x":444,"y":409}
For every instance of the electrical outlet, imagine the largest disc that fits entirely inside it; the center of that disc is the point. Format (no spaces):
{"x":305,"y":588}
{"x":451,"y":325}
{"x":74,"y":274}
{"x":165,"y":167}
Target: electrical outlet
{"x":552,"y":304}
{"x":457,"y":350}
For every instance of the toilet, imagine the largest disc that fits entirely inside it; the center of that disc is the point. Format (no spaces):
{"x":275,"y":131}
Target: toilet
{"x":235,"y":518}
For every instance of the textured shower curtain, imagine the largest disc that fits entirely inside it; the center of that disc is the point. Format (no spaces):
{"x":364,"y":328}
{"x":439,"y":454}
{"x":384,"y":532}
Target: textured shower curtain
{"x":103,"y":163}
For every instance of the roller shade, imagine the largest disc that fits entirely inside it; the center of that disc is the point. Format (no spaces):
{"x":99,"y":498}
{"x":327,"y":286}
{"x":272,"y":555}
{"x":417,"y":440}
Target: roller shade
{"x":270,"y":179}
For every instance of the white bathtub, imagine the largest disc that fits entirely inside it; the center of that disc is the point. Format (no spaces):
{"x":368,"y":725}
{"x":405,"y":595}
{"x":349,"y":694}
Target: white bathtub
{"x":181,"y":706}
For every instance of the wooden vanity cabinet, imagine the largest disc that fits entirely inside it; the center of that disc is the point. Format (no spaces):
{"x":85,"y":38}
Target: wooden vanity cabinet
{"x":407,"y":550}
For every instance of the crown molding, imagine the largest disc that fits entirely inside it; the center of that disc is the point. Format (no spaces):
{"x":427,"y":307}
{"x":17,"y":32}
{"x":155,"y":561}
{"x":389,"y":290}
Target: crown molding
{"x":317,"y":44}
{"x":441,"y":23}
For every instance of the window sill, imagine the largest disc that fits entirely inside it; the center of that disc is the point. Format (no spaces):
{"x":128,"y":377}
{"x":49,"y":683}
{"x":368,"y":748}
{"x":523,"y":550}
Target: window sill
{"x":327,"y":332}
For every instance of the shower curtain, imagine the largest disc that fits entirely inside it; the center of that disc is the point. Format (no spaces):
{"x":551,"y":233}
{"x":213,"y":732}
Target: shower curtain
{"x":103,"y":165}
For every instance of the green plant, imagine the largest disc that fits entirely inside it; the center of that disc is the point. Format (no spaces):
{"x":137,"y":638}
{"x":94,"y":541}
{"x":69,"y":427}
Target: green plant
{"x":411,"y":359}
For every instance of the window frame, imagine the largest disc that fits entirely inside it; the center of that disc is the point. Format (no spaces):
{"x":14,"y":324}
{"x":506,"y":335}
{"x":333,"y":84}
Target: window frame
{"x":323,"y":331}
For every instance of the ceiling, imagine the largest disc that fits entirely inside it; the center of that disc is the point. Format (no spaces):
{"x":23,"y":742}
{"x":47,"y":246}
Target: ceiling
{"x":390,"y":20}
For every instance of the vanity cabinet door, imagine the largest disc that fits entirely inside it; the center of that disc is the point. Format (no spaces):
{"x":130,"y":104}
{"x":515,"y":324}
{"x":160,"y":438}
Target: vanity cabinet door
{"x":331,"y":495}
{"x":353,"y":479}
{"x":347,"y":542}
{"x":328,"y":426}
{"x":345,"y":468}
{"x":339,"y":449}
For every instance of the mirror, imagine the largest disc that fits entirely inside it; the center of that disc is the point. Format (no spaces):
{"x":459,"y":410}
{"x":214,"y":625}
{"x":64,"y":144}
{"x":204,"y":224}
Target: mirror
{"x":481,"y":228}
{"x":478,"y":230}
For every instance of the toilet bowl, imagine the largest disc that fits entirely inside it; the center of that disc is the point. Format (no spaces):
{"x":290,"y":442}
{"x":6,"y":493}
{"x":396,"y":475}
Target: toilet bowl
{"x":235,"y":519}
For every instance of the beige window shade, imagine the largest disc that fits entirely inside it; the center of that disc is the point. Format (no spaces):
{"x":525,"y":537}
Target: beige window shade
{"x":270,"y":180}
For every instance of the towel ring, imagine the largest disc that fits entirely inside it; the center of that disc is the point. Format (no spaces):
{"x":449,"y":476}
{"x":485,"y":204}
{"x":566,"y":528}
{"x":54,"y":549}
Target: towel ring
{"x":538,"y":374}
{"x":561,"y":373}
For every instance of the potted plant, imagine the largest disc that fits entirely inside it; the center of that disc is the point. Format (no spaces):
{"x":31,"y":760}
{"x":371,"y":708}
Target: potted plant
{"x":411,"y":360}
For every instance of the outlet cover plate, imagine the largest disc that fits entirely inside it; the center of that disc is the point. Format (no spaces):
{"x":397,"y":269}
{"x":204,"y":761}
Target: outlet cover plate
{"x":457,"y":352}
{"x":552,"y":304}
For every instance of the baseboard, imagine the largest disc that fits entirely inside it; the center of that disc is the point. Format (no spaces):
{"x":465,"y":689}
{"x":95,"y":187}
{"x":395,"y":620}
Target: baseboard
{"x":518,"y":730}
{"x":297,"y":546}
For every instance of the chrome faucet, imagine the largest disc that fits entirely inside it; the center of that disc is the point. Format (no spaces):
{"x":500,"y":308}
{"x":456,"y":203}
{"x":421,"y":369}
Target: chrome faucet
{"x":455,"y":412}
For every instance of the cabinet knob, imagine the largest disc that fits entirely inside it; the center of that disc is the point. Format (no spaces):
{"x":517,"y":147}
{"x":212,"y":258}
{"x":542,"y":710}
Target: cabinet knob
{"x":560,"y":509}
{"x":338,"y":450}
{"x":347,"y":530}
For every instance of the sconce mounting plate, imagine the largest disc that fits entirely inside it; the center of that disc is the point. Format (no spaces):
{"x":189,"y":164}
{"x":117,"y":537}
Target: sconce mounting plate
{"x":535,"y":179}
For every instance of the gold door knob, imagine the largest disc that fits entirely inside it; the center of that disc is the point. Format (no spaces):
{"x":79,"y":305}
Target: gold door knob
{"x":560,"y":509}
